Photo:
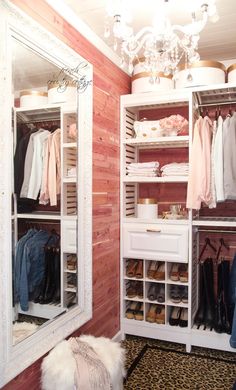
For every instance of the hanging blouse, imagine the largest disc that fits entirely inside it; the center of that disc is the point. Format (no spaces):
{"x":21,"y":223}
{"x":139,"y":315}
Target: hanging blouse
{"x":199,"y":184}
{"x":37,"y":165}
{"x":229,"y":157}
{"x":54,"y":169}
{"x":218,"y":161}
{"x":28,"y":165}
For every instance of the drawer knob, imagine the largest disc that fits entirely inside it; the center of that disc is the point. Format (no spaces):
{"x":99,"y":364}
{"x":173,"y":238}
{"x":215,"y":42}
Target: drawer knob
{"x":153,"y":230}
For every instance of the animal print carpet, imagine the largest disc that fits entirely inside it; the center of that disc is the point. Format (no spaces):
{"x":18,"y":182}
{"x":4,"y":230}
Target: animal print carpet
{"x":159,"y":365}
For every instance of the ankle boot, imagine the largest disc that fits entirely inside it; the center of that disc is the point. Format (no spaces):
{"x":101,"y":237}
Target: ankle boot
{"x":201,"y":308}
{"x":209,"y":315}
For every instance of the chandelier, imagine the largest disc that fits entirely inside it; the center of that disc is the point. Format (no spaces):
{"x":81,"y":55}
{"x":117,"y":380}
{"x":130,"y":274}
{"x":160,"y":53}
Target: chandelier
{"x":161,"y":46}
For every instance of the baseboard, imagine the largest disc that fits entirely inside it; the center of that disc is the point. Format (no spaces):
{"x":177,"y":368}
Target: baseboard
{"x":117,"y":337}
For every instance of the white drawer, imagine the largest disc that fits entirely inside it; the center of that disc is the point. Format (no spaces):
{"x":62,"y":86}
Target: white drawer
{"x":68,"y":234}
{"x":156,"y":242}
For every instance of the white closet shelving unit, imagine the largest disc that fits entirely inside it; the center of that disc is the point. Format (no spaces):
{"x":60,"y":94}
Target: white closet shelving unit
{"x":65,"y":215}
{"x":159,"y":239}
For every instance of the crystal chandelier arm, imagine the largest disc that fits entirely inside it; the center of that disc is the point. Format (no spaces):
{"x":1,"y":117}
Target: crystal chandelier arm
{"x":193,"y":28}
{"x":139,"y":44}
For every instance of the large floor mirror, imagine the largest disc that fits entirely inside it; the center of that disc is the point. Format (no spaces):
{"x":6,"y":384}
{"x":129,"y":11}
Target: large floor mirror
{"x":45,"y":189}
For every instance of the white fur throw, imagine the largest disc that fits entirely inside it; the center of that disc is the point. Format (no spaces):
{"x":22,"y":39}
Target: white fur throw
{"x":58,"y":367}
{"x":21,"y":330}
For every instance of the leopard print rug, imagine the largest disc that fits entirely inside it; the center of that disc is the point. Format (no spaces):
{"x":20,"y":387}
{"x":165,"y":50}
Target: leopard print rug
{"x":159,"y":365}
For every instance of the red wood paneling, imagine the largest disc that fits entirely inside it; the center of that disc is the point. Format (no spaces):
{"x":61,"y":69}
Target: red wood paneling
{"x":109,"y":82}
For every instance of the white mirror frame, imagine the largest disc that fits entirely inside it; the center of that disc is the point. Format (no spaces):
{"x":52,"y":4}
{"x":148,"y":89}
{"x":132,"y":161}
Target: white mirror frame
{"x":14,"y":359}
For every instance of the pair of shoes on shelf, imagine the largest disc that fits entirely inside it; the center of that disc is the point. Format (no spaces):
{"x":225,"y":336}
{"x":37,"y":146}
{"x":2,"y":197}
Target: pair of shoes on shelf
{"x":134,"y":289}
{"x":156,"y":292}
{"x":179,"y":294}
{"x":134,"y":269}
{"x":135,"y":311}
{"x":179,"y":272}
{"x":71,"y":262}
{"x":156,"y":313}
{"x":179,"y":316}
{"x":156,"y":270}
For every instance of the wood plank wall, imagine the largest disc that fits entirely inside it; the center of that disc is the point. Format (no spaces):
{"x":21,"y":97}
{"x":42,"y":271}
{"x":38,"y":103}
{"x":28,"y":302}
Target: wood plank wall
{"x":109,"y":83}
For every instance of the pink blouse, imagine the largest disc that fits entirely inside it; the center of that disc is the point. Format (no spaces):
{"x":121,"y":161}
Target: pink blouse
{"x":199,"y":183}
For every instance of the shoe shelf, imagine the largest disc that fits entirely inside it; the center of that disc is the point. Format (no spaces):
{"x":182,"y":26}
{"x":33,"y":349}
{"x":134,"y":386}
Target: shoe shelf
{"x":70,"y":277}
{"x":151,"y":295}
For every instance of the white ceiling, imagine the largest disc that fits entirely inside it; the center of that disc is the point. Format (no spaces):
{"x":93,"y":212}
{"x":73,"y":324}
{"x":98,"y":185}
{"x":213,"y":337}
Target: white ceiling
{"x":217,"y":41}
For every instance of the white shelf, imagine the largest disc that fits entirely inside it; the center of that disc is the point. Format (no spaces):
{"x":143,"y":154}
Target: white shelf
{"x":48,"y":311}
{"x":157,"y":221}
{"x":45,"y":107}
{"x":70,"y":271}
{"x":210,"y":339}
{"x":70,"y":289}
{"x":216,"y":222}
{"x":71,"y":217}
{"x":160,"y":142}
{"x":69,"y":179}
{"x":134,"y":279}
{"x":177,"y":282}
{"x":69,"y":145}
{"x":162,"y":179}
{"x":171,"y":98}
{"x":40,"y":215}
{"x":181,"y":304}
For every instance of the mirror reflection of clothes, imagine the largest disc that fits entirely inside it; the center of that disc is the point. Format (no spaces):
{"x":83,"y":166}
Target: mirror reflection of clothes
{"x":31,"y":265}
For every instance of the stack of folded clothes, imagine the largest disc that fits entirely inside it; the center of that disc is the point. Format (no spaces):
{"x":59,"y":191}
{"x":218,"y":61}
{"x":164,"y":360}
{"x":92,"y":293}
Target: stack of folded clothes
{"x":175,"y":169}
{"x":144,"y":169}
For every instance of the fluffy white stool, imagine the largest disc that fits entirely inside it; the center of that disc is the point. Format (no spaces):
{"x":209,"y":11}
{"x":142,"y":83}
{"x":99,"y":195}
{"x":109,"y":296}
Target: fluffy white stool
{"x":58,"y":367}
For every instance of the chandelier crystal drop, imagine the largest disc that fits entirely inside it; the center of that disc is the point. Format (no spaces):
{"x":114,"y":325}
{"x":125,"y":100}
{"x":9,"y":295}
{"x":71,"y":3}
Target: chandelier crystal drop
{"x":160,"y":47}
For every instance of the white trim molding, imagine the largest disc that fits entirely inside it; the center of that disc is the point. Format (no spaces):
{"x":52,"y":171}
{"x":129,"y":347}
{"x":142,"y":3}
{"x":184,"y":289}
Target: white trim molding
{"x":15,"y":358}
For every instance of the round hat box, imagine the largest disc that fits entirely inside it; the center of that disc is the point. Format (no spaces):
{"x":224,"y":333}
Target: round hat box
{"x":147,"y":208}
{"x":143,"y":81}
{"x":200,"y":73}
{"x":62,"y":92}
{"x":231,"y":72}
{"x":32,"y":98}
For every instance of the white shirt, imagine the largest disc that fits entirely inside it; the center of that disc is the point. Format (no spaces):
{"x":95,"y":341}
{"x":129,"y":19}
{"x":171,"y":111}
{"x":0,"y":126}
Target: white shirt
{"x":37,"y":165}
{"x":218,"y":160}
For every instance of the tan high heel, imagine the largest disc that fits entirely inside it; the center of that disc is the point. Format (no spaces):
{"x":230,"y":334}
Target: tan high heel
{"x":131,"y":268}
{"x":160,"y":272}
{"x":151,"y":314}
{"x":138,"y":314}
{"x":151,"y":269}
{"x":139,"y":270}
{"x":160,"y":315}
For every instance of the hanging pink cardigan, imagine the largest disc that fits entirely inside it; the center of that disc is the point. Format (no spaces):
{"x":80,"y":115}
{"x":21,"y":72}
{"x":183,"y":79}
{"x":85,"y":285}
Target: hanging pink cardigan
{"x":199,"y":183}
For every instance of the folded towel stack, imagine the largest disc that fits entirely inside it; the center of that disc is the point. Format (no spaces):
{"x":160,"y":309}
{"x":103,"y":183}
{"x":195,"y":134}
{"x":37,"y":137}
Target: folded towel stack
{"x":150,"y":169}
{"x":175,"y":169}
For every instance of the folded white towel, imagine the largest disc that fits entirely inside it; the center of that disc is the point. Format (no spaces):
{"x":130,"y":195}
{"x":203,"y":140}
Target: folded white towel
{"x":151,"y":164}
{"x":143,"y":174}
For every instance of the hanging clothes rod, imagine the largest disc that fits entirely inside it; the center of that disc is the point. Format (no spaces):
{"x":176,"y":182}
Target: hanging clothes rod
{"x":216,"y":104}
{"x":217,"y":231}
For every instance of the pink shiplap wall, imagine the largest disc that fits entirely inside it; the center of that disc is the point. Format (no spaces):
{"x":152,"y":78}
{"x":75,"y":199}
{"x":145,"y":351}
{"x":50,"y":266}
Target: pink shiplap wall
{"x":108,"y":84}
